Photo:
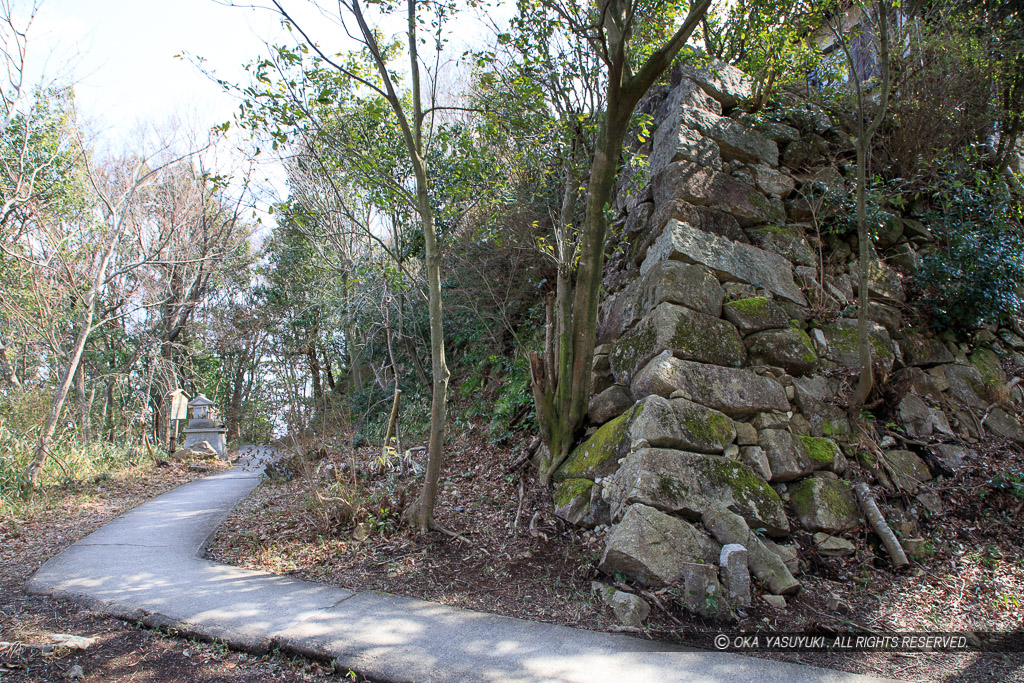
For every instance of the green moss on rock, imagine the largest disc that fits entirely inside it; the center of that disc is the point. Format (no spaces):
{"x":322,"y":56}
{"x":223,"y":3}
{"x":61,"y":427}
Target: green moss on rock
{"x":820,"y":450}
{"x":599,"y":454}
{"x":750,"y":307}
{"x":824,"y":504}
{"x":988,"y":364}
{"x":571,"y":489}
{"x":713,"y":427}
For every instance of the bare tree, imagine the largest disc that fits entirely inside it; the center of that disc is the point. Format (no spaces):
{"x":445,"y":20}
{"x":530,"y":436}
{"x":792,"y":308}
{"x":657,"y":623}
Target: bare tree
{"x":116,"y":187}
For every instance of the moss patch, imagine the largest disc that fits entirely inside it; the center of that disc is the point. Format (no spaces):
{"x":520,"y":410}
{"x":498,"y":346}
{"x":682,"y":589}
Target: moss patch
{"x":599,"y":454}
{"x":809,"y":355}
{"x":713,"y":427}
{"x":820,"y":450}
{"x":753,"y":307}
{"x":635,"y":344}
{"x":746,"y":487}
{"x":989,"y":366}
{"x":571,"y":489}
{"x":823,"y":503}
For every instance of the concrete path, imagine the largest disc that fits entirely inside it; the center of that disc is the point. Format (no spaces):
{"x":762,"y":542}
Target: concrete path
{"x":146,"y":566}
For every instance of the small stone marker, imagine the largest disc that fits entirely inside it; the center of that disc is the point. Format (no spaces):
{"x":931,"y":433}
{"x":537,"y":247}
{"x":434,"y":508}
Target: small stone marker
{"x":735,"y":574}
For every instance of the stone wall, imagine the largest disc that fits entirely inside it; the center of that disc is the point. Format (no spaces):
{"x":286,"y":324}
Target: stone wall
{"x":727,"y":345}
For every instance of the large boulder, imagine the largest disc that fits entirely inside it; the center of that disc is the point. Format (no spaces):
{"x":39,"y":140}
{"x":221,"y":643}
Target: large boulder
{"x":729,"y":260}
{"x":967,"y":386}
{"x":814,"y":396}
{"x":907,"y":469}
{"x":579,"y":502}
{"x":736,"y":142}
{"x":652,"y":548}
{"x":921,"y":351}
{"x":704,"y":186}
{"x":734,"y":391}
{"x":824,"y":504}
{"x":1005,"y":425}
{"x":922,"y":421}
{"x":692,"y":286}
{"x":599,"y":455}
{"x":686,"y":334}
{"x":699,"y":217}
{"x":755,"y":314}
{"x":656,"y":421}
{"x":788,"y":241}
{"x":674,"y":141}
{"x":842,"y":347}
{"x":725,"y":83}
{"x":788,"y":348}
{"x":787,"y":458}
{"x":691,"y":483}
{"x":772,"y":182}
{"x":609,"y":403}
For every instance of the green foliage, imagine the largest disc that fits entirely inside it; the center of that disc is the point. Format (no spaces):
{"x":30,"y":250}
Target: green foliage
{"x":1011,"y":481}
{"x":70,"y":466}
{"x":976,"y":274}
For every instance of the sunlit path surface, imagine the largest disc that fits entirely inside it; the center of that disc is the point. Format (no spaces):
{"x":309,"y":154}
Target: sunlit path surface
{"x":146,"y":565}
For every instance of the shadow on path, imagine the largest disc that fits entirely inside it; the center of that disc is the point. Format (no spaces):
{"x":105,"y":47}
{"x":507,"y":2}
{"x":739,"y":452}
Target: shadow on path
{"x":146,"y":566}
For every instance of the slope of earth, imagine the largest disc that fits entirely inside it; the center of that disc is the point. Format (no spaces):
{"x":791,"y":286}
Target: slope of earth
{"x":121,"y":651}
{"x":505,"y":552}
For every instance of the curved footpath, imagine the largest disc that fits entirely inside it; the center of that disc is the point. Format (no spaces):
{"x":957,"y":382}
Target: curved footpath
{"x":146,"y":566}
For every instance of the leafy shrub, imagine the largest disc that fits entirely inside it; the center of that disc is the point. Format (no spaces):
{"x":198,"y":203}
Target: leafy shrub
{"x":975,"y":273}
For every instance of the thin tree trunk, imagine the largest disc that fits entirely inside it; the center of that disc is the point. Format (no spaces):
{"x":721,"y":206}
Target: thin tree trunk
{"x":31,"y":473}
{"x":6,"y":370}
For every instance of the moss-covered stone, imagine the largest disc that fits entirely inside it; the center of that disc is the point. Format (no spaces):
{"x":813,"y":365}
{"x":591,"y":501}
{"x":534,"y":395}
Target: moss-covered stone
{"x":691,"y":483}
{"x":755,"y":314}
{"x":571,"y":489}
{"x":991,"y":369}
{"x":787,"y":241}
{"x":824,"y":504}
{"x":842,"y":346}
{"x":578,"y":502}
{"x":598,"y":455}
{"x":822,"y":452}
{"x":788,"y":348}
{"x":686,"y":334}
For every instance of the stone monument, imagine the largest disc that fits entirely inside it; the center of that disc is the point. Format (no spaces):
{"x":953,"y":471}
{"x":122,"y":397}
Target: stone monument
{"x":203,"y":426}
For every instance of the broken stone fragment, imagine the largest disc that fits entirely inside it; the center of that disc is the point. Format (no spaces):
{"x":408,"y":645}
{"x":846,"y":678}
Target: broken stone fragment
{"x":735,"y":574}
{"x":833,"y":546}
{"x":629,"y":609}
{"x":701,"y":593}
{"x":728,"y":527}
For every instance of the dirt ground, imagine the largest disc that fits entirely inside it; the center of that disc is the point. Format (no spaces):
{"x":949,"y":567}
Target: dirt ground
{"x":122,"y":651}
{"x":506,"y":553}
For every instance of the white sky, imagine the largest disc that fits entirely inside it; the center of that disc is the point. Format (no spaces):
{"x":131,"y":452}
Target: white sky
{"x":120,"y":54}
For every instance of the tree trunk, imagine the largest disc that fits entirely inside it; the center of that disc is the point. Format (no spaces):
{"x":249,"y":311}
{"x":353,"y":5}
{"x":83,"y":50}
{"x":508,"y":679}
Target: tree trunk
{"x":866,"y":379}
{"x":6,"y":370}
{"x":31,"y":473}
